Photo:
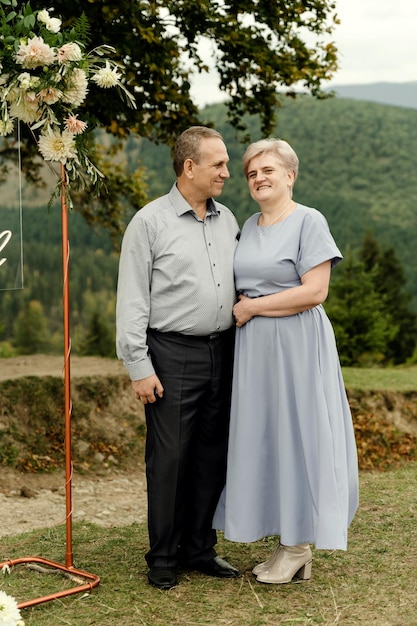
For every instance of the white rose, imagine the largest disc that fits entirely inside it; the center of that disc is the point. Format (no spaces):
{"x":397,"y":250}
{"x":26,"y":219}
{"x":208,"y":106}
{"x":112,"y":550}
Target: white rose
{"x":24,"y":80}
{"x":34,"y":81}
{"x":53,"y":24}
{"x":43,"y":16}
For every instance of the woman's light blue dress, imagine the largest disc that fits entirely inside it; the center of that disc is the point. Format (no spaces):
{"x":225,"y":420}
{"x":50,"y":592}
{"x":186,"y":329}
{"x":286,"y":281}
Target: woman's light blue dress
{"x":292,"y":461}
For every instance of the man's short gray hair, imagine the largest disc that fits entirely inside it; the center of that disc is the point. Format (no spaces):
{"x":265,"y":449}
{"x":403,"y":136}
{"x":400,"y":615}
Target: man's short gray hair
{"x":188,"y":145}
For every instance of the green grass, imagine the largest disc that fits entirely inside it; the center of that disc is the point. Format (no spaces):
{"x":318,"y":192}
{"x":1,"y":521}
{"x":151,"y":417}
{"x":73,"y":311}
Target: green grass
{"x":374,"y":582}
{"x":399,"y":379}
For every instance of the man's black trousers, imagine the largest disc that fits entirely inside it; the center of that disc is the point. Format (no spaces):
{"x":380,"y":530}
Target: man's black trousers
{"x":186,"y":445}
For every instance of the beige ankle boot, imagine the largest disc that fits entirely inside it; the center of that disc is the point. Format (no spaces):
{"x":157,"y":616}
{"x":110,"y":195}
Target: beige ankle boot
{"x":263,"y":567}
{"x":290,"y":562}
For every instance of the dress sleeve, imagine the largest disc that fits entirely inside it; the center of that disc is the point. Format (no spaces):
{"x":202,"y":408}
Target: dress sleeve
{"x":316,"y":243}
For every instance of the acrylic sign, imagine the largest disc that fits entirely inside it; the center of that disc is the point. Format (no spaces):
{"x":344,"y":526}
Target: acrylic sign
{"x":5,"y":237}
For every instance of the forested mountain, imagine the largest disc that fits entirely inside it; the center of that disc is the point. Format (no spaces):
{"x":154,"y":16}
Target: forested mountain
{"x":357,"y":166}
{"x":398,"y":94}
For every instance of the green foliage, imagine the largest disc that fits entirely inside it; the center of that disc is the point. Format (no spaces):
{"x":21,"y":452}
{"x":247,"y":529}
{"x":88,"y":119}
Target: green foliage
{"x":36,"y":439}
{"x":257,"y":48}
{"x":389,"y":282}
{"x":82,"y":29}
{"x":8,"y":452}
{"x":7,"y":350}
{"x":93,"y":274}
{"x":99,"y":339}
{"x":359,"y":320}
{"x":125,"y":191}
{"x":30,"y":329}
{"x":370,"y":310}
{"x":389,"y":379}
{"x":32,"y":437}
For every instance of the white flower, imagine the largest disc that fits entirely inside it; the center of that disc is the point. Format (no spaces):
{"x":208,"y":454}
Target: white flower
{"x":43,"y":16}
{"x":106,"y":76}
{"x":6,"y":128}
{"x":35,"y":53}
{"x":56,"y":146}
{"x":13,"y":94}
{"x":53,"y":24}
{"x":27,"y":81}
{"x":50,"y":95}
{"x":9,"y":612}
{"x":77,"y":87}
{"x":24,"y":79}
{"x":25,"y":107}
{"x":74,"y":125}
{"x":69,"y":52}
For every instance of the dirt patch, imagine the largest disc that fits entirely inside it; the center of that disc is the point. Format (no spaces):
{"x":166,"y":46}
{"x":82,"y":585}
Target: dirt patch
{"x":31,"y":501}
{"x":40,"y":365}
{"x":107,"y":496}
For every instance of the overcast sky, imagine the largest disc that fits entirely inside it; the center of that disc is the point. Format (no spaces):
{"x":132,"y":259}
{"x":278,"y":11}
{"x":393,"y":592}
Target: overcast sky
{"x":377,"y":41}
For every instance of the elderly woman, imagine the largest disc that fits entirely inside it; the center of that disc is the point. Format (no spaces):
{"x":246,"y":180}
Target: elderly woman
{"x":292,"y":462}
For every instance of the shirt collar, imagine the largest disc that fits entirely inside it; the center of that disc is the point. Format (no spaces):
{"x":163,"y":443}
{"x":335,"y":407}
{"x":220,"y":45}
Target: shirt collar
{"x":181,"y":205}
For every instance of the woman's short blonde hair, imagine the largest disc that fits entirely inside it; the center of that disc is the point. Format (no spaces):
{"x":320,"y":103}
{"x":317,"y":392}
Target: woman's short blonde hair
{"x":280,"y":148}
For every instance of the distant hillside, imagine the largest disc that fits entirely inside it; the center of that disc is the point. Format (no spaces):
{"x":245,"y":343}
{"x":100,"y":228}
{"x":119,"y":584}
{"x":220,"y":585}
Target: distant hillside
{"x":397,"y":94}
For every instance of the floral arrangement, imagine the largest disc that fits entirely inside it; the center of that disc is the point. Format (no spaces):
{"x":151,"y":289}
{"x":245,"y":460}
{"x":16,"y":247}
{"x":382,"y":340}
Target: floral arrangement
{"x":45,"y":73}
{"x":9,"y":613}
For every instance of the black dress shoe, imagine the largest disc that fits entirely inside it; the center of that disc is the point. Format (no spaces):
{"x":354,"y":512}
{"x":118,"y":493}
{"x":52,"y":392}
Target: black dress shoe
{"x":162,"y":577}
{"x":216,"y":567}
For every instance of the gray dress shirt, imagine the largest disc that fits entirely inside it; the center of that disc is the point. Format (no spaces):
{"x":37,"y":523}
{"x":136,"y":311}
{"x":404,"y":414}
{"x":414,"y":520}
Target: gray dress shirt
{"x":175,"y":275}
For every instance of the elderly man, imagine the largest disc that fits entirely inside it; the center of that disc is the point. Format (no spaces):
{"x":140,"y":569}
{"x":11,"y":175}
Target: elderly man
{"x":175,"y":337}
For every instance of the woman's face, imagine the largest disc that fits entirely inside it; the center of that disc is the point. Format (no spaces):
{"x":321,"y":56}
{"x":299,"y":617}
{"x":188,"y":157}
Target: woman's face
{"x":268,"y":180}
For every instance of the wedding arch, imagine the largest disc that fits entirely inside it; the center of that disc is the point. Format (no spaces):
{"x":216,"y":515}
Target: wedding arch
{"x":46,"y":72}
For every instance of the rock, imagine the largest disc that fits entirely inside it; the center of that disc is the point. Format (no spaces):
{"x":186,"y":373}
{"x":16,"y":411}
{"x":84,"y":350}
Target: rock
{"x":27,"y":492}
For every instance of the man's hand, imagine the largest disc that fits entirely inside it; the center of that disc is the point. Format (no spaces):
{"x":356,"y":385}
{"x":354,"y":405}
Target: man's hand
{"x":148,"y":389}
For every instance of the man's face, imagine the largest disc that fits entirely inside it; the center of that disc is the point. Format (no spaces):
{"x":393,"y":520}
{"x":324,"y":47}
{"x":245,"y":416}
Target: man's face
{"x":211,"y":171}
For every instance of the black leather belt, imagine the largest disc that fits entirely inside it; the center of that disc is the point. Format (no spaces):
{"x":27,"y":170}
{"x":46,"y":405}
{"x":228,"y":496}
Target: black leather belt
{"x":205,"y":338}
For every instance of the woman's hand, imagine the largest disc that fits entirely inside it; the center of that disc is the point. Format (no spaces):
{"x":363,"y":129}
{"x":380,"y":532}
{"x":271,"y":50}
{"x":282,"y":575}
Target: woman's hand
{"x":242,"y":310}
{"x":312,"y":292}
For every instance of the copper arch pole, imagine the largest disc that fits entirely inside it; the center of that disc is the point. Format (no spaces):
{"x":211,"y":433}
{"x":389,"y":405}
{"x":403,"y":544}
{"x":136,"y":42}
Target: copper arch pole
{"x":67,"y":368}
{"x":68,"y":567}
